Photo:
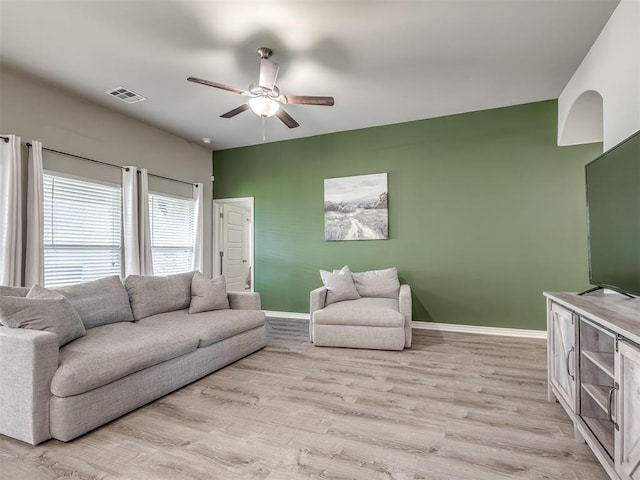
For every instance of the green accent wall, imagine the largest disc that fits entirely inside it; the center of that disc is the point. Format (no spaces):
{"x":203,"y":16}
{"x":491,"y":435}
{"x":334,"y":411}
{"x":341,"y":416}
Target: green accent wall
{"x":485,"y":212}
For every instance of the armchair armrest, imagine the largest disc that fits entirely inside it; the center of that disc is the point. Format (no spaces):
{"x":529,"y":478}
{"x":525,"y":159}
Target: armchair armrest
{"x":317,"y":300}
{"x":29,"y":358}
{"x":244,"y":300}
{"x":404,"y":304}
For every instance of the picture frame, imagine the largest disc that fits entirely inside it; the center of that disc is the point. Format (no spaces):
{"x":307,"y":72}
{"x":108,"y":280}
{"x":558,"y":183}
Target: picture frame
{"x":356,"y":207}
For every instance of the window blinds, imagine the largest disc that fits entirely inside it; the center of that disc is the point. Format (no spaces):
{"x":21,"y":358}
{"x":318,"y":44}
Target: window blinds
{"x":82,"y":230}
{"x":172,"y":233}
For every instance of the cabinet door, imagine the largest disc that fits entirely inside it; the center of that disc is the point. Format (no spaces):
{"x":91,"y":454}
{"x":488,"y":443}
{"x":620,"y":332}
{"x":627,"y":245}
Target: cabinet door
{"x":562,"y":353}
{"x":627,"y":439}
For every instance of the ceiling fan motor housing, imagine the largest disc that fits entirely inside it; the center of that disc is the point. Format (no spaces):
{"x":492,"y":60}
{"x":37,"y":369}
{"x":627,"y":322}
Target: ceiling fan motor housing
{"x":256,"y":89}
{"x":264,"y":52}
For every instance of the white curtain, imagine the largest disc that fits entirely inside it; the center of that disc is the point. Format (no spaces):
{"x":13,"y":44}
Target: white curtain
{"x":144,"y":234}
{"x":135,"y":219}
{"x":34,"y":259}
{"x":130,"y":220}
{"x":198,"y":223}
{"x":10,"y":211}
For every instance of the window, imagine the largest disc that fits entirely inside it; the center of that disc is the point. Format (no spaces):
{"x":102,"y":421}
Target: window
{"x":172,"y":233}
{"x":82,"y":230}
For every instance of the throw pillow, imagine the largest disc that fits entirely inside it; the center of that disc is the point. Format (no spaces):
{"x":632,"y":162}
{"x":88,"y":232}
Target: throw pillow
{"x":99,"y":302}
{"x":208,"y":294}
{"x":378,"y":283}
{"x":150,"y":295}
{"x":339,"y":285}
{"x":45,"y":310}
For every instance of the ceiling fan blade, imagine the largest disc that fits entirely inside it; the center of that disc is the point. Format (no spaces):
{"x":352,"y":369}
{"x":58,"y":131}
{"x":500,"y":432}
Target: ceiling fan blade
{"x":218,"y":85}
{"x":268,"y":73}
{"x":232,"y":113}
{"x":308,"y":100}
{"x":286,"y":118}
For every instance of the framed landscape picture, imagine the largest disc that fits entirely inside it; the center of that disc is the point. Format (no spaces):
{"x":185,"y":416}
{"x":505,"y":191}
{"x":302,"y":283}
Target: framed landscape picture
{"x":356,"y":208}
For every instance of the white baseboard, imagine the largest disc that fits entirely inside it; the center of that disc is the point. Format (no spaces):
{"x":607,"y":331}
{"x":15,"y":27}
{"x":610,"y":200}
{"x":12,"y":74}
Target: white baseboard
{"x":287,"y":315}
{"x":442,"y":327}
{"x":501,"y":331}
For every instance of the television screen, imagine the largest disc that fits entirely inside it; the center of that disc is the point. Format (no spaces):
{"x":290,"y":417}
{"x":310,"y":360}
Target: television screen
{"x":613,"y":215}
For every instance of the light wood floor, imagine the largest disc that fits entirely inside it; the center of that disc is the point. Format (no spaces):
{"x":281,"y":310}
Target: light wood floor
{"x":455,"y":406}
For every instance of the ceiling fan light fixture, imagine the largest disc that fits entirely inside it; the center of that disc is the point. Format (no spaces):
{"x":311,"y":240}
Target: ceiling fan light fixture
{"x":264,"y":106}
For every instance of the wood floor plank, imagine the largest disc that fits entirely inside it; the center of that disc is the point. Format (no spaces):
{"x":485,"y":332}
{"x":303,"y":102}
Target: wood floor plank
{"x":453,"y":407}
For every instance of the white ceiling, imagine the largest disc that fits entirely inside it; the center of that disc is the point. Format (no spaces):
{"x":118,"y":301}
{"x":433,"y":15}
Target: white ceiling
{"x":384,"y":61}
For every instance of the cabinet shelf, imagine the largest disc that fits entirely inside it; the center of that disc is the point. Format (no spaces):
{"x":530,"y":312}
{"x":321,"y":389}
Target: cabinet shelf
{"x":604,"y":361}
{"x":603,"y":431}
{"x":599,"y":393}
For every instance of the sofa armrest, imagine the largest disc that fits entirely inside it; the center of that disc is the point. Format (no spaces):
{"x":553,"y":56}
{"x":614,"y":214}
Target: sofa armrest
{"x":244,"y":300}
{"x":29,"y":358}
{"x":404,"y":304}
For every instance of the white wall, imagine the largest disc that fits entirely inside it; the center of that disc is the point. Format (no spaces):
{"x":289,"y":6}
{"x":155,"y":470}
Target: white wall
{"x":611,"y":68}
{"x":36,"y":110}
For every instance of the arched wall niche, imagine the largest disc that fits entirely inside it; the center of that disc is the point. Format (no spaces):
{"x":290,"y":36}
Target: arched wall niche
{"x":584,"y":121}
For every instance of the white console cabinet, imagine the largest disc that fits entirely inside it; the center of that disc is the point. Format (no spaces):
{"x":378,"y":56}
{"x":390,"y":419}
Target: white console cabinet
{"x":594,"y":372}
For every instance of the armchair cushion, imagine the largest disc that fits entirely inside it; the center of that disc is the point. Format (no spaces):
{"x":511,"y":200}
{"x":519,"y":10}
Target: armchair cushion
{"x":377,"y":283}
{"x":339,"y":285}
{"x":366,"y":312}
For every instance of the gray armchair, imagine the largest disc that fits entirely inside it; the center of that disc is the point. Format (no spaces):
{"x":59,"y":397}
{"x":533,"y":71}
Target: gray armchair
{"x":379,"y":323}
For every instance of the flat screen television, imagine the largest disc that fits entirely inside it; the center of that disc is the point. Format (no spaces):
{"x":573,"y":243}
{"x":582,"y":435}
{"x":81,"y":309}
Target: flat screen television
{"x":613,"y":216}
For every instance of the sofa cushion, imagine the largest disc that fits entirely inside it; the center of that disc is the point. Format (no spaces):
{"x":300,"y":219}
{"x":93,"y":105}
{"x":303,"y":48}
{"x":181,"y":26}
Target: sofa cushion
{"x":110,"y":352}
{"x":372,"y":312}
{"x":339,"y":285}
{"x":208,"y":294}
{"x":208,"y":327}
{"x":13,"y":291}
{"x":377,"y":283}
{"x":149,"y":295}
{"x":99,"y":302}
{"x":42,"y":309}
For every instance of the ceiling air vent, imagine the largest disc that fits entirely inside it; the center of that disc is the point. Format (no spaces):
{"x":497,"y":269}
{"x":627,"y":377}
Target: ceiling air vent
{"x":126,"y":95}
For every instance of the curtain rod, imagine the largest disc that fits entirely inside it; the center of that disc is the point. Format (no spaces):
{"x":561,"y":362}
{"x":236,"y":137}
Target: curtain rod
{"x":6,"y":139}
{"x":105,"y":163}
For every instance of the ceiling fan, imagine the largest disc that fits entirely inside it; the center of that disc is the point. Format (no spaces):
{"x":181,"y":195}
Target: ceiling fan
{"x":265,"y":99}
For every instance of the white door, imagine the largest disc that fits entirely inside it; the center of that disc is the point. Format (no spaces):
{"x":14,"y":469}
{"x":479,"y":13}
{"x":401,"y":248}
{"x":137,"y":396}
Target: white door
{"x":627,"y":437}
{"x":234,"y":247}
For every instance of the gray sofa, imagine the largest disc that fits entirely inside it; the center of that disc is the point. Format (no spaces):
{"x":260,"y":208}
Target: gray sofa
{"x":141,"y":343}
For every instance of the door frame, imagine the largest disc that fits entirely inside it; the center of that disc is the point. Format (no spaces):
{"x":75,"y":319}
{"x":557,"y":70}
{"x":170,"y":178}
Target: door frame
{"x":216,"y":222}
